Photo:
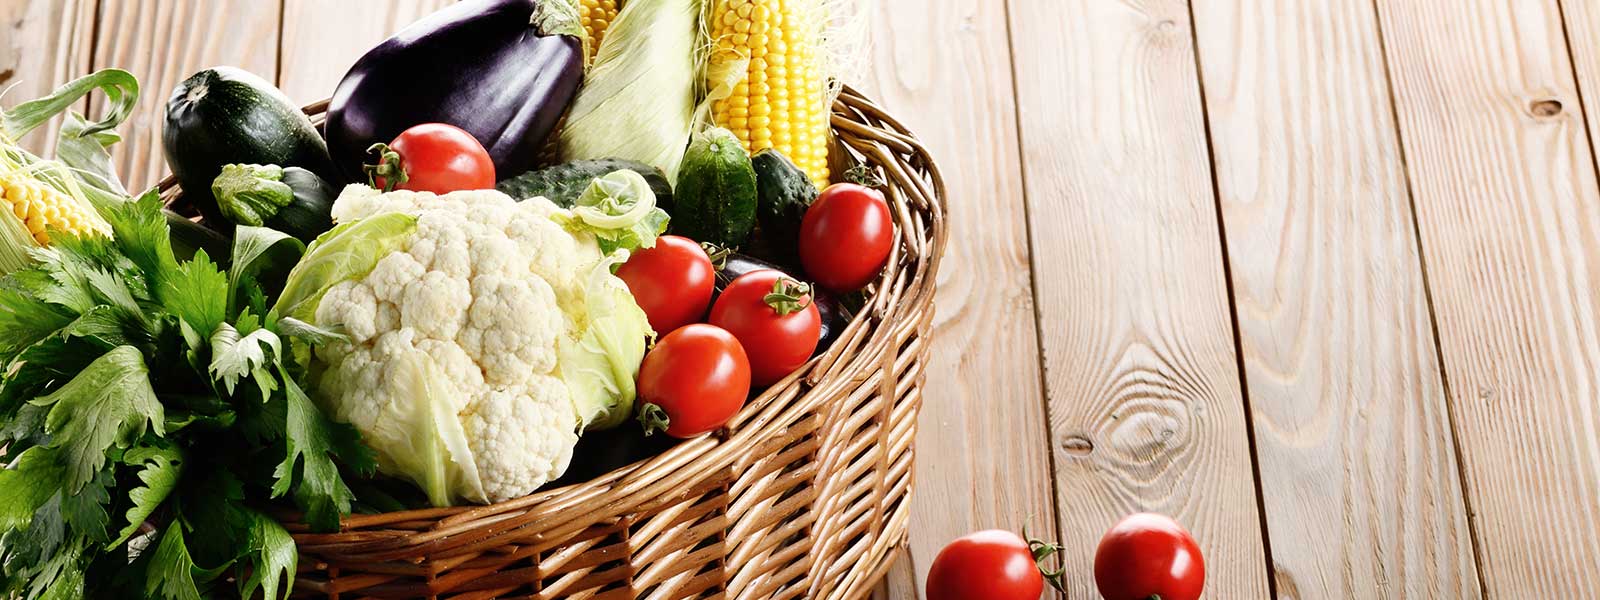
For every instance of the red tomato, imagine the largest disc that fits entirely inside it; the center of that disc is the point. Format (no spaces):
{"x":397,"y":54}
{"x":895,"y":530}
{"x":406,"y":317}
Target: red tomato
{"x":434,"y":157}
{"x":1146,"y":555}
{"x":846,"y":236}
{"x":987,"y":565}
{"x":672,"y":282}
{"x":775,"y":320}
{"x":693,"y":381}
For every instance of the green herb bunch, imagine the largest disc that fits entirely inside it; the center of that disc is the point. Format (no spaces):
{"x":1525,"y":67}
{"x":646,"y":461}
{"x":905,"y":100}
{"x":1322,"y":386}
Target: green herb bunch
{"x":151,"y":423}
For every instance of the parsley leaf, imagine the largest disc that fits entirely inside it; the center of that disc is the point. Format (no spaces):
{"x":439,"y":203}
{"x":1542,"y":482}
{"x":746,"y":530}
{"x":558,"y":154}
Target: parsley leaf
{"x":86,"y":510}
{"x":321,"y":493}
{"x":273,"y":560}
{"x":197,"y":292}
{"x":109,"y":403}
{"x":162,"y":466}
{"x":27,"y":485}
{"x":234,"y":357}
{"x":173,"y":574}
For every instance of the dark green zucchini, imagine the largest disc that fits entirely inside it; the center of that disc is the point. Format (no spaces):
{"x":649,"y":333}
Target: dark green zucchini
{"x":226,"y":115}
{"x":292,"y":200}
{"x":784,"y":193}
{"x":715,"y":199}
{"x":563,"y":183}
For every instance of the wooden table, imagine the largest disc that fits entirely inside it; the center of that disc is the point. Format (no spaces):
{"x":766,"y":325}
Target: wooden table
{"x":1317,"y":277}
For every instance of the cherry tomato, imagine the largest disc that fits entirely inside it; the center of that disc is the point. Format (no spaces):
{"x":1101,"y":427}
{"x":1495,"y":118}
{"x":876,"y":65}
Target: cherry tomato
{"x":672,"y":282}
{"x":775,"y":320}
{"x":433,"y":157}
{"x":987,"y":565}
{"x":693,"y":381}
{"x":846,"y":237}
{"x":1147,"y":555}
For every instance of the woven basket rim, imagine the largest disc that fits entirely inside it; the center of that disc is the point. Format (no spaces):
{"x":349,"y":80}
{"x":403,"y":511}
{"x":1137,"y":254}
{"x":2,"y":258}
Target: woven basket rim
{"x":675,"y":473}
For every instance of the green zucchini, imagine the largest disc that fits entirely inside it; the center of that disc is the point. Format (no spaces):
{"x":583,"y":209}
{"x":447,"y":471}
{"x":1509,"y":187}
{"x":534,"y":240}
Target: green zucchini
{"x":784,"y":194}
{"x":293,"y":200}
{"x":226,"y":115}
{"x":563,"y":183}
{"x":716,"y":194}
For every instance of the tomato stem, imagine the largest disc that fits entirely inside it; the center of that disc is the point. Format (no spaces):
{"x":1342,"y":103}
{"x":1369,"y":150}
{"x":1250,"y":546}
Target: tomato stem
{"x":788,"y":296}
{"x":863,"y":175}
{"x":717,"y":254}
{"x":1042,"y":551}
{"x":388,"y":168}
{"x":653,"y":418}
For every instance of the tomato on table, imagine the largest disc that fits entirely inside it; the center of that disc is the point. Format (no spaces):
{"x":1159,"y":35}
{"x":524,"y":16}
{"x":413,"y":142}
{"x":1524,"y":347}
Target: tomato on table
{"x":846,"y":237}
{"x":1146,"y":555}
{"x":432,"y":157}
{"x":672,"y":282}
{"x":991,"y":565}
{"x":775,"y":319}
{"x":693,"y":381}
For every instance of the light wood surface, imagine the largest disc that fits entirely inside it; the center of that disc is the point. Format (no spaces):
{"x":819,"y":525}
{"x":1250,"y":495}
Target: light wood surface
{"x":48,"y":44}
{"x":1385,"y":212}
{"x":1146,"y":411}
{"x":991,"y":467}
{"x":1349,"y":410}
{"x":1509,"y":214}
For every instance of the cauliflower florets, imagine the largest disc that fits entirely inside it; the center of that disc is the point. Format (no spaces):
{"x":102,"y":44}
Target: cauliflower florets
{"x":477,"y":293}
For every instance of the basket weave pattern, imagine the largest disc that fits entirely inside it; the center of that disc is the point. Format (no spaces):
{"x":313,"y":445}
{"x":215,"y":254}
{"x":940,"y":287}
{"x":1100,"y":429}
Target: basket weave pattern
{"x":806,"y":493}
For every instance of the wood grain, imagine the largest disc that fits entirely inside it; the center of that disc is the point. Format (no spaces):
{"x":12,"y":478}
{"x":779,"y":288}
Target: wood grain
{"x":1145,"y":400}
{"x":901,"y":583}
{"x":1351,"y":427}
{"x":1509,"y":213}
{"x":1581,"y":19}
{"x":323,"y":38}
{"x":982,"y":445}
{"x":164,"y":42}
{"x":43,"y":44}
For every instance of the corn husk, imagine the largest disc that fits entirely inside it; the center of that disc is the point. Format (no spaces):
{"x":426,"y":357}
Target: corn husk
{"x":638,"y":101}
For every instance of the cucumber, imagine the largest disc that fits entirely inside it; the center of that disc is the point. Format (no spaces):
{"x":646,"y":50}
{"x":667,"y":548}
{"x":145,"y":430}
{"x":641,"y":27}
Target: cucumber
{"x":716,"y":193}
{"x":784,"y":194}
{"x":563,"y":183}
{"x":226,"y":115}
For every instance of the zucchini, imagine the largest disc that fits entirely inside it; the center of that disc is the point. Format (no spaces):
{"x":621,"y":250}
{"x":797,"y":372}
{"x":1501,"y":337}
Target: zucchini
{"x":716,"y":193}
{"x":784,"y":194}
{"x":226,"y":115}
{"x":563,"y":183}
{"x":293,"y":200}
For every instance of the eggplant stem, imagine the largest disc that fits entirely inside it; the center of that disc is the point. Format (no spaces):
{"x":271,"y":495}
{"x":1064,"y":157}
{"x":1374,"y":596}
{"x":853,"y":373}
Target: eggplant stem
{"x":788,"y":296}
{"x":389,"y":168}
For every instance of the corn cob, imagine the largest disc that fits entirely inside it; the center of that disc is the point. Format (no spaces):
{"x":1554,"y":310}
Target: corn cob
{"x":40,"y":208}
{"x":596,"y":16}
{"x":783,"y":101}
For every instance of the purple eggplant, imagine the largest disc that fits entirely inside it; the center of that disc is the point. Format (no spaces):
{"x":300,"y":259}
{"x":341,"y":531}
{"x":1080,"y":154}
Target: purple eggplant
{"x":503,"y":70}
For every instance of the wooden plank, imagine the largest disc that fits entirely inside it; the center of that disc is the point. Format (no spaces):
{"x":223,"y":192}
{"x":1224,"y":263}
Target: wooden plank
{"x":900,"y":583}
{"x":1582,"y":23}
{"x":323,"y":38}
{"x":164,"y":42}
{"x":982,"y":445}
{"x":1145,"y":399}
{"x":1333,"y":317}
{"x":43,"y":44}
{"x":1509,"y":213}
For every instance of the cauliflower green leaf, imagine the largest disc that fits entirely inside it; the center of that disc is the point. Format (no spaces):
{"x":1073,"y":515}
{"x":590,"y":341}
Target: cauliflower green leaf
{"x":600,"y":365}
{"x":348,"y":251}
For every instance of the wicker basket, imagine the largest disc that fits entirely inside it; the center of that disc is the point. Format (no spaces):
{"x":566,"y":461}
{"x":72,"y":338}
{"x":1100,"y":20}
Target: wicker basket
{"x":806,"y":493}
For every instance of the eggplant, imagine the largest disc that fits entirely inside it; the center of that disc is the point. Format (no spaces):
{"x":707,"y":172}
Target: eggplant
{"x":835,"y":315}
{"x":503,"y":70}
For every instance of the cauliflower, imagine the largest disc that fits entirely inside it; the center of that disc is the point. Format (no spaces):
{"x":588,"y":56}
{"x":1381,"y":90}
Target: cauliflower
{"x":481,"y":334}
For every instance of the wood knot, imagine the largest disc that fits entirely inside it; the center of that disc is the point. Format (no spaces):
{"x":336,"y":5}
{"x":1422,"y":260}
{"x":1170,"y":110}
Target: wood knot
{"x":1077,"y":445}
{"x":1546,"y":108}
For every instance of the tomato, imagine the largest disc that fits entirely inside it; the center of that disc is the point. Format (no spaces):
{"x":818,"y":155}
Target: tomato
{"x":774,"y":318}
{"x":1147,"y":555}
{"x":693,"y":381}
{"x":990,"y":565}
{"x":672,"y":282}
{"x":433,"y":157}
{"x":846,"y":237}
